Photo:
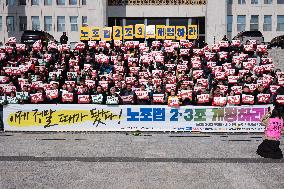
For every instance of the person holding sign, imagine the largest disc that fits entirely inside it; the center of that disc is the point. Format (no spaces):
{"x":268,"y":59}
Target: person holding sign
{"x":128,"y":96}
{"x":247,"y":97}
{"x":273,"y":122}
{"x":113,"y":98}
{"x":100,"y":92}
{"x":173,"y":99}
{"x":261,"y":95}
{"x":143,"y":96}
{"x":159,"y":96}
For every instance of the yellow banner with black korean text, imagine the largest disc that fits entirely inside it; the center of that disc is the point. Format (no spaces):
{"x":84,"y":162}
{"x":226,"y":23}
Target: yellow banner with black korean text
{"x":139,"y":31}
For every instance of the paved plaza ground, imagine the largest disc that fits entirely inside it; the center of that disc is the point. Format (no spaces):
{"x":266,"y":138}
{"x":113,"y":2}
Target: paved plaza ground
{"x":117,"y":160}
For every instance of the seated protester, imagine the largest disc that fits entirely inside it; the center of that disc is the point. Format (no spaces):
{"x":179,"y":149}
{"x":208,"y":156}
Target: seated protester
{"x":237,"y":100}
{"x":100,"y":91}
{"x":280,"y":91}
{"x":248,"y":80}
{"x":106,"y":69}
{"x":119,"y":88}
{"x":70,"y":78}
{"x":11,"y":99}
{"x":85,"y":90}
{"x":39,"y":97}
{"x":164,"y":81}
{"x":67,"y":94}
{"x":27,"y":99}
{"x":113,"y":98}
{"x":53,"y":78}
{"x":136,"y":85}
{"x":128,"y":96}
{"x":246,"y":97}
{"x":185,"y":98}
{"x":159,"y":96}
{"x":259,"y":98}
{"x":216,"y":92}
{"x":143,"y":96}
{"x":150,"y":85}
{"x":173,"y":99}
{"x":53,"y":95}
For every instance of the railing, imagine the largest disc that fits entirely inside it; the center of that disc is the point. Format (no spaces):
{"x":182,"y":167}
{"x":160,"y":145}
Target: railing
{"x":156,"y":2}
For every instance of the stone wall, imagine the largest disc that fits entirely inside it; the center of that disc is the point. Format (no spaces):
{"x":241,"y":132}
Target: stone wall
{"x":278,"y":57}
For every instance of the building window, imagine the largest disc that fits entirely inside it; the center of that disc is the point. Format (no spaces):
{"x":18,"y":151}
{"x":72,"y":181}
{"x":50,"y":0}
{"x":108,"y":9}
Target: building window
{"x":230,"y":2}
{"x":48,"y":2}
{"x":84,"y":2}
{"x":60,"y":23}
{"x":47,"y":23}
{"x":1,"y":23}
{"x":267,"y":24}
{"x":72,"y":2}
{"x":60,"y":2}
{"x":254,"y":23}
{"x":268,"y":1}
{"x":241,"y":2}
{"x":280,"y":23}
{"x":10,"y":2}
{"x":35,"y":23}
{"x":35,"y":2}
{"x":229,"y":23}
{"x":241,"y":23}
{"x":84,"y":20}
{"x":74,"y":23}
{"x":22,"y":2}
{"x":280,"y":1}
{"x":23,"y":23}
{"x":10,"y":24}
{"x":254,"y":2}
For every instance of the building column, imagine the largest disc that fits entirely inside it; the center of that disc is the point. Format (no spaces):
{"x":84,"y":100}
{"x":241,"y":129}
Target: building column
{"x":123,"y":25}
{"x":215,"y":21}
{"x":189,"y":21}
{"x":167,"y":21}
{"x":145,"y":24}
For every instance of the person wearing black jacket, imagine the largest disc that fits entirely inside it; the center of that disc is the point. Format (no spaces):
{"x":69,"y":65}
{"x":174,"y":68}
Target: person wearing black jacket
{"x":64,"y":38}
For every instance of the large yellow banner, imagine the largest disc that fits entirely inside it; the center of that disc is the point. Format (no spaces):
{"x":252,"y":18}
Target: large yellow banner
{"x":141,"y":31}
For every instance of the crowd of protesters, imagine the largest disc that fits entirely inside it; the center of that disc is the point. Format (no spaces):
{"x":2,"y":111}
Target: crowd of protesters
{"x":173,"y":73}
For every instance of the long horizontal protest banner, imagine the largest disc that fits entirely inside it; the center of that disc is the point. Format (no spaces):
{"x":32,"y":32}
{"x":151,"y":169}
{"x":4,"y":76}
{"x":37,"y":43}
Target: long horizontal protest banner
{"x":137,"y":31}
{"x":87,"y":117}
